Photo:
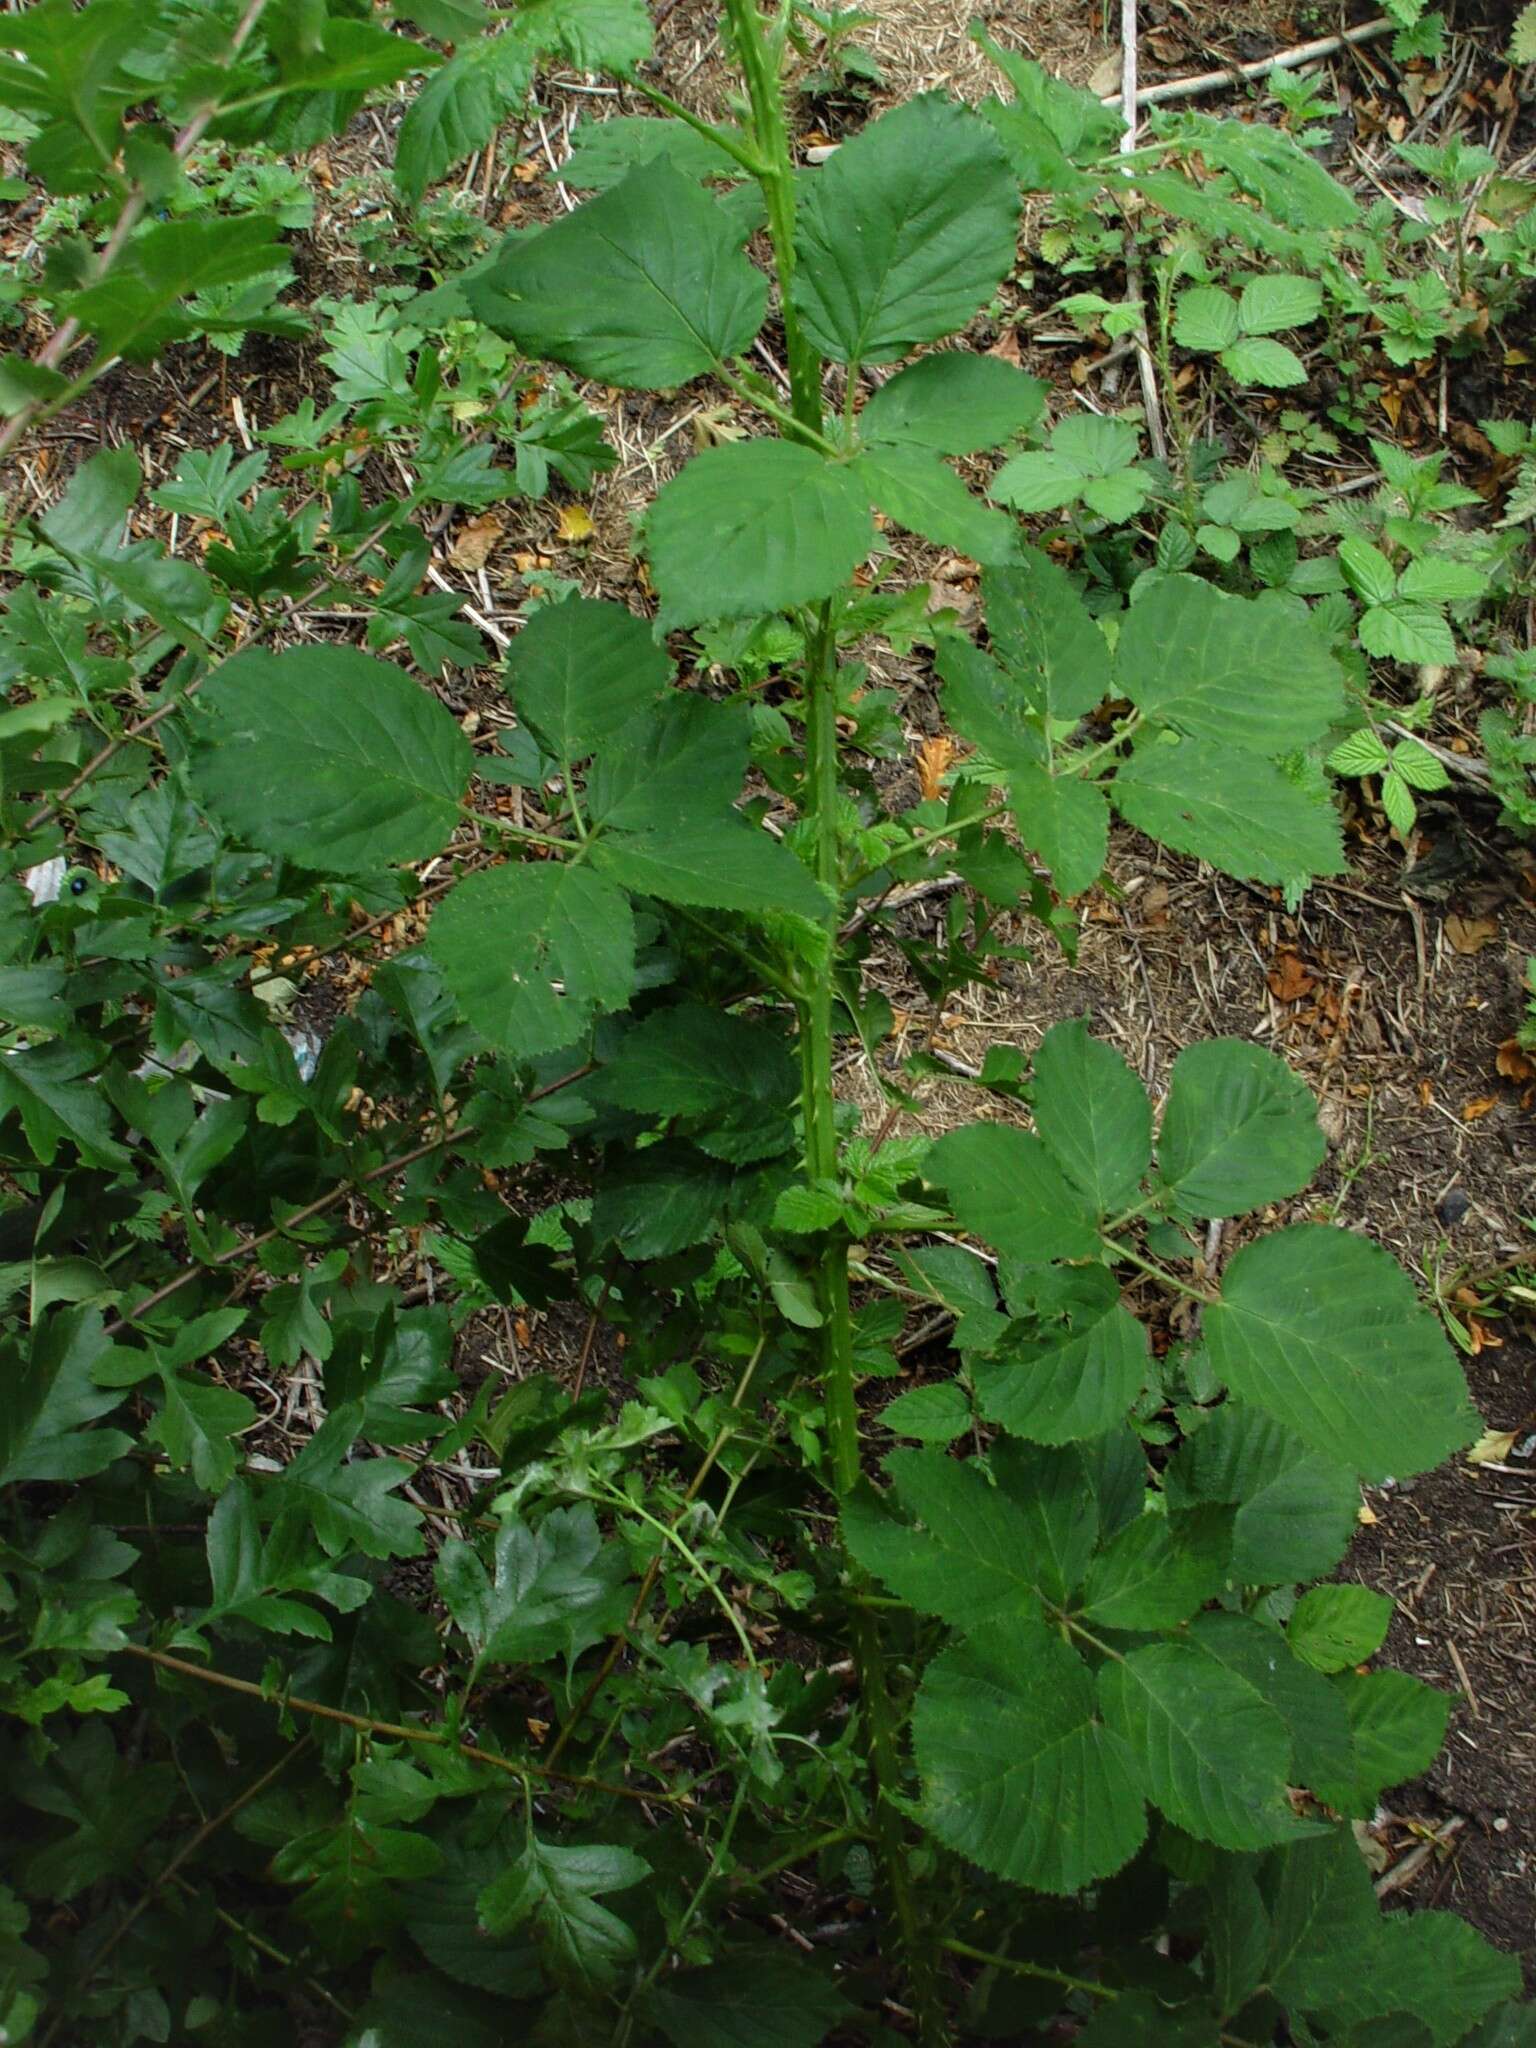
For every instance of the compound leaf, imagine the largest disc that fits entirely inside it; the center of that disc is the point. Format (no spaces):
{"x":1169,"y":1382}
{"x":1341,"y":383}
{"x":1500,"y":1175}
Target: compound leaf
{"x":1295,"y":1507}
{"x":690,"y":1062}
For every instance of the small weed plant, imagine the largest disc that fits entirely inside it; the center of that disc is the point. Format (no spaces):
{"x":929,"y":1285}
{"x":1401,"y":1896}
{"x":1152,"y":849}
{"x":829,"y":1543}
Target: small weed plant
{"x":354,"y":1686}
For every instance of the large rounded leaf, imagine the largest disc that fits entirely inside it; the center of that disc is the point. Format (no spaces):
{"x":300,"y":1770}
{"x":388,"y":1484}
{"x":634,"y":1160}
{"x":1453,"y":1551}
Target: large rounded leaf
{"x":1324,"y":1331}
{"x":755,"y":527}
{"x":579,"y":671}
{"x":1205,"y":1747}
{"x":645,"y":286}
{"x":1240,"y":1129}
{"x":330,"y":758}
{"x":905,"y":232}
{"x":1018,"y":1772}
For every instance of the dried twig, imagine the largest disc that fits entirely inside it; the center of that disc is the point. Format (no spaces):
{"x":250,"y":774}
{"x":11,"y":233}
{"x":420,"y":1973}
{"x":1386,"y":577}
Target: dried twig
{"x":1283,"y":60}
{"x":1135,"y":281}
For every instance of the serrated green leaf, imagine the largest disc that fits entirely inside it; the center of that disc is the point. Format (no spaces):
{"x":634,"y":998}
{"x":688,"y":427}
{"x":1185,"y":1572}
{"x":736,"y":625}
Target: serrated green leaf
{"x":1278,"y":300}
{"x":1333,"y":1627}
{"x":684,"y":760}
{"x":1522,"y":38}
{"x":346,"y":1504}
{"x":580,"y":670}
{"x":1093,"y":1115}
{"x":553,"y":1591}
{"x":1019,"y":1773}
{"x":1418,"y":767}
{"x":1397,"y":1727}
{"x":660,"y":1200}
{"x":1046,"y":637}
{"x":195,"y":1424}
{"x":1039,"y":481}
{"x":329,"y":757}
{"x":1220,"y":668}
{"x":691,"y":1062}
{"x":1407,"y":632}
{"x":505,"y":937}
{"x":954,"y":403}
{"x":1236,"y":811}
{"x":1075,"y":1384}
{"x":133,"y":311}
{"x":1324,"y":1331}
{"x":1239,"y":1130}
{"x":762,"y":1999}
{"x":1432,"y":1965}
{"x":1363,"y":753}
{"x":48,"y":1088}
{"x":917,"y":490}
{"x":645,"y":286}
{"x":459,"y":108}
{"x":1004,"y":1186}
{"x":1264,"y":363}
{"x":1158,"y":1570}
{"x":1205,"y":318}
{"x":554,"y":1892}
{"x":603,"y":153}
{"x":970,"y":1558}
{"x":724,"y":865}
{"x":1308,"y":1704}
{"x":1295,"y":1507}
{"x":1366,"y":570}
{"x":53,"y":1397}
{"x":758,"y":526}
{"x":935,"y":1414}
{"x":904,"y":232}
{"x":1204,"y":1747}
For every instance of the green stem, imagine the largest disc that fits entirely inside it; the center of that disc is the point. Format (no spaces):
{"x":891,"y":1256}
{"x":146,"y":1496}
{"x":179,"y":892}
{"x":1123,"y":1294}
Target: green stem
{"x":1021,"y":1969}
{"x":722,"y":138}
{"x":831,"y":1282}
{"x":796,"y":429}
{"x":758,"y":55}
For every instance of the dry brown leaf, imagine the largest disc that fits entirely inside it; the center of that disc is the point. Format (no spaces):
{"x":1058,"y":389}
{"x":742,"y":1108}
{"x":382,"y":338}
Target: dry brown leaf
{"x":1513,"y":1062}
{"x":1367,"y":1516}
{"x":1478,"y":1107}
{"x":575,"y":524}
{"x":935,"y":757}
{"x":472,"y":544}
{"x":1105,"y":77}
{"x":1007,"y":347}
{"x":1288,"y":978}
{"x":1470,"y":934}
{"x":1492,"y":1447}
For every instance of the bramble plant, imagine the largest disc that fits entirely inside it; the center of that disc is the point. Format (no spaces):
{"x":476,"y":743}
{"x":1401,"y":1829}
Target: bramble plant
{"x":421,"y":1702}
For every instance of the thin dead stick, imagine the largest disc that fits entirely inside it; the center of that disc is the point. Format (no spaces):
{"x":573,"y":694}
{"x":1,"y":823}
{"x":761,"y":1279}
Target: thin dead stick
{"x":1135,"y":278}
{"x":396,"y":1731}
{"x":1283,"y":60}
